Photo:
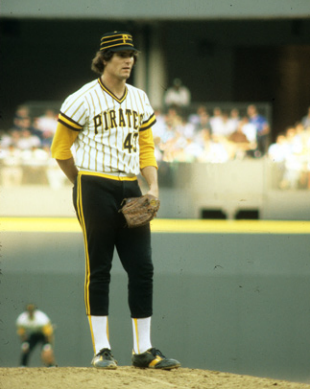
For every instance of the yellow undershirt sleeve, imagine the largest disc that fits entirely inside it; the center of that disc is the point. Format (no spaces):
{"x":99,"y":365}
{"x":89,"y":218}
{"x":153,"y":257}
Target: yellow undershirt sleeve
{"x":62,"y":142}
{"x":146,"y":143}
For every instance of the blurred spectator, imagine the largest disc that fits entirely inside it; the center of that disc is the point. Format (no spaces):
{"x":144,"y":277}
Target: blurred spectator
{"x":188,"y":129}
{"x":7,"y":138}
{"x":11,"y":171}
{"x":171,"y":144}
{"x":220,"y":124}
{"x":192,"y":151}
{"x":203,"y":122}
{"x":240,"y":143}
{"x":216,"y":120}
{"x":306,"y":119}
{"x":45,"y":126}
{"x":262,"y":130}
{"x":303,"y":133}
{"x":173,"y":118}
{"x":22,"y":113}
{"x":27,"y":141}
{"x":35,"y":156}
{"x":292,"y":174}
{"x":177,"y":96}
{"x":234,"y":119}
{"x":27,"y":125}
{"x":279,"y":150}
{"x":169,"y":133}
{"x":214,"y":150}
{"x":160,"y":126}
{"x":294,"y":161}
{"x":195,"y":117}
{"x":248,"y":129}
{"x":158,"y":151}
{"x":277,"y":153}
{"x":289,"y":150}
{"x":294,"y":141}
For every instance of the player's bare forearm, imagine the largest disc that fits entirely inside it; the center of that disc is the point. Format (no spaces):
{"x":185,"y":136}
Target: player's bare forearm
{"x":151,"y":177}
{"x":69,"y":168}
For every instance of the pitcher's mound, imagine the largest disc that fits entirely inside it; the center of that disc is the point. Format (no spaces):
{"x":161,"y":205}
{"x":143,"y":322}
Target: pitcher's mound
{"x":130,"y":377}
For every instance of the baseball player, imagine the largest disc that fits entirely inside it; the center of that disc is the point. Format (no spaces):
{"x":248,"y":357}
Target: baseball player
{"x":109,"y":123}
{"x":34,"y":327}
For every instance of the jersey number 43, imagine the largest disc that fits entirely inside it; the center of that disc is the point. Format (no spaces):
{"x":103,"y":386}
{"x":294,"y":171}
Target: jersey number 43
{"x":130,"y":142}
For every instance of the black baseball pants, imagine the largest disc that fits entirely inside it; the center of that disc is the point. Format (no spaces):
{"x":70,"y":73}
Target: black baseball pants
{"x":97,"y":201}
{"x":33,"y":340}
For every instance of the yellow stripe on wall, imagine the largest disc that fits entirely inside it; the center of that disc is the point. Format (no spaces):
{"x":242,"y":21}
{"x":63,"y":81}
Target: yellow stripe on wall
{"x":231,"y":226}
{"x":28,"y":224}
{"x":164,"y":226}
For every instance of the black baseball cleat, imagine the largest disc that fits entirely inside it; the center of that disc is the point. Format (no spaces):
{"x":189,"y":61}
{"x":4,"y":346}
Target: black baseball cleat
{"x":104,"y":360}
{"x":154,"y":359}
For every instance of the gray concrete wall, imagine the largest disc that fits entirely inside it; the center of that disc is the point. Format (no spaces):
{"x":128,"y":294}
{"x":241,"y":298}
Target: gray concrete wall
{"x":185,"y":192}
{"x":229,"y":302}
{"x":161,"y":9}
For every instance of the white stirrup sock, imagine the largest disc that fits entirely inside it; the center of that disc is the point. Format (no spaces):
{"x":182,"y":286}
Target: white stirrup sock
{"x":141,"y":335}
{"x":99,"y":328}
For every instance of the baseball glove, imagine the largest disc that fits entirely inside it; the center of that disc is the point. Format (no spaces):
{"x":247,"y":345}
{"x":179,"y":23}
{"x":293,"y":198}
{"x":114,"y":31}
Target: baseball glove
{"x":139,"y":211}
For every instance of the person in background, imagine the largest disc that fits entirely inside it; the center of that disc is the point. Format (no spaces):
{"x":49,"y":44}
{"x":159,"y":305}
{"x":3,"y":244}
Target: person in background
{"x":178,"y":96}
{"x":234,"y":120}
{"x":21,"y":114}
{"x":203,"y":122}
{"x":34,"y":327}
{"x":45,"y":126}
{"x":262,"y":130}
{"x":216,"y":120}
{"x":194,"y":117}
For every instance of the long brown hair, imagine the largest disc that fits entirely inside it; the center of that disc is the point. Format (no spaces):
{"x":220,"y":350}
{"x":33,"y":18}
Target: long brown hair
{"x":97,"y":64}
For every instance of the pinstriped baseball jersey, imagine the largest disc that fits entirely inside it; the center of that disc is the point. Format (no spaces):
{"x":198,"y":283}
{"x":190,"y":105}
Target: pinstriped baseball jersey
{"x":108,"y":127}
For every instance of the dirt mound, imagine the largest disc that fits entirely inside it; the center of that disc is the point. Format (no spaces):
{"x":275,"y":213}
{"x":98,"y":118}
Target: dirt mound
{"x":130,"y":377}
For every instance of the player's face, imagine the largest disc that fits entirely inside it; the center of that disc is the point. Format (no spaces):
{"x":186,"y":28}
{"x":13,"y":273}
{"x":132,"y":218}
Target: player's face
{"x":120,"y":65}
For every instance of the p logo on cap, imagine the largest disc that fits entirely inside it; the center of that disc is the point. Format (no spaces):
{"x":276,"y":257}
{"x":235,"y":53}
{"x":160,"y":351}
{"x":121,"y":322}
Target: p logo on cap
{"x":117,"y":41}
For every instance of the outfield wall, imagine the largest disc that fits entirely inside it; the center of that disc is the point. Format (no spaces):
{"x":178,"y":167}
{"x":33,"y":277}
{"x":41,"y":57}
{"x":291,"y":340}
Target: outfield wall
{"x":225,"y":299}
{"x":186,"y":190}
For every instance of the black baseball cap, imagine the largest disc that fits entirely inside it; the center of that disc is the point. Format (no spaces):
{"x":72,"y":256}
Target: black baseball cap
{"x":117,"y":41}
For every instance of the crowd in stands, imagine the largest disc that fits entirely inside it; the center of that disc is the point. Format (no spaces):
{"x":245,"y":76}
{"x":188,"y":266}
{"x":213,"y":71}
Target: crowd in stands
{"x":201,"y":136}
{"x":221,"y":136}
{"x":25,"y":150}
